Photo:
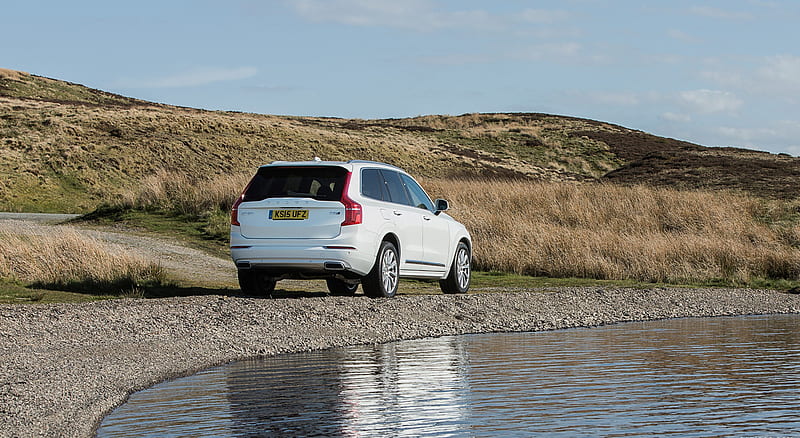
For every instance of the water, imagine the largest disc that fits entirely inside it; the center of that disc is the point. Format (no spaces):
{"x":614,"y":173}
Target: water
{"x":687,"y":377}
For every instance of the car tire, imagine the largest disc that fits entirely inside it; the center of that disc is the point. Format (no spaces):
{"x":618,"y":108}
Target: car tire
{"x":457,"y":281}
{"x":341,"y":288}
{"x":383,"y":280}
{"x":256,"y":283}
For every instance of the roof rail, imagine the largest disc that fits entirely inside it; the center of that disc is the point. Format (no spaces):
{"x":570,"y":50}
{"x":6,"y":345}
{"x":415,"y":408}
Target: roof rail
{"x":316,"y":160}
{"x":372,"y":162}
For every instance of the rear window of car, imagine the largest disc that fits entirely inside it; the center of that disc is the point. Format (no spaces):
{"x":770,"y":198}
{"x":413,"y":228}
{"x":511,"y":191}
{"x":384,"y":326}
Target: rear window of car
{"x":324,"y":183}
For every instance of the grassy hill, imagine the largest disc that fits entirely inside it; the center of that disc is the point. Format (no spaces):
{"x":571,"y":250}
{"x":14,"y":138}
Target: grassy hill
{"x":65,"y":147}
{"x":174,"y":171}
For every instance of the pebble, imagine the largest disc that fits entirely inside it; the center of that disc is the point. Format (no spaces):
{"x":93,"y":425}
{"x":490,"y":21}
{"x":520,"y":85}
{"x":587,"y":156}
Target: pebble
{"x":65,"y":366}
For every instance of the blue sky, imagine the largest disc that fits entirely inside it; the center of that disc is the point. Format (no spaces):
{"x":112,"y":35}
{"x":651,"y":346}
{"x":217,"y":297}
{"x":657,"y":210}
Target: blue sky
{"x":718,"y":73}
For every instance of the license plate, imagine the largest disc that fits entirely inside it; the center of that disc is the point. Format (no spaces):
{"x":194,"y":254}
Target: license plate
{"x":288,"y":215}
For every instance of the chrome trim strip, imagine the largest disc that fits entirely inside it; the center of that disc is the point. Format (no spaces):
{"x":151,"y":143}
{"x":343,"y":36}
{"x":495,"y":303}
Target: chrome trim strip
{"x":419,"y":262}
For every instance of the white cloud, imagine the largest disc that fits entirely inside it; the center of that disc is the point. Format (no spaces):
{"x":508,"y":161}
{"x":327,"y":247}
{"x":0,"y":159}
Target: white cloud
{"x":779,"y":136}
{"x":680,"y":35}
{"x":766,"y":4}
{"x":543,"y":16}
{"x":408,"y":14}
{"x":675,"y":117}
{"x":717,"y":13}
{"x":568,"y":52}
{"x":711,"y":101}
{"x":419,"y":15}
{"x":271,"y":88}
{"x":725,"y":78}
{"x":457,"y":59}
{"x":612,"y":98}
{"x":662,"y":58}
{"x":775,"y":76}
{"x":199,"y":76}
{"x":782,"y":71}
{"x":549,"y":51}
{"x":358,"y":12}
{"x":746,"y":135}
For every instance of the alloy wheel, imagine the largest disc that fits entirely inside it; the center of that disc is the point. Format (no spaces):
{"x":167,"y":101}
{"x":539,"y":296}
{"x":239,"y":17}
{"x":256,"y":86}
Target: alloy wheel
{"x":389,"y":270}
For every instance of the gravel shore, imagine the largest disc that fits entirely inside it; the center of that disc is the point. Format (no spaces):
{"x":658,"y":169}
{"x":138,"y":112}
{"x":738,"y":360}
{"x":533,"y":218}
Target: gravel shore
{"x":64,"y":366}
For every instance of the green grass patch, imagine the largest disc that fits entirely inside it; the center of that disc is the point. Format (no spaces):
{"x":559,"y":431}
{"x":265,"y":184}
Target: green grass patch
{"x":209,"y":232}
{"x":494,"y":279}
{"x":47,"y":193}
{"x":17,"y":293}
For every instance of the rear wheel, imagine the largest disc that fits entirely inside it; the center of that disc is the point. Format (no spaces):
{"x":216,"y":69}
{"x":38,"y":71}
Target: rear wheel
{"x":343,"y":288}
{"x":256,"y":283}
{"x":457,"y":281}
{"x":384,"y":278}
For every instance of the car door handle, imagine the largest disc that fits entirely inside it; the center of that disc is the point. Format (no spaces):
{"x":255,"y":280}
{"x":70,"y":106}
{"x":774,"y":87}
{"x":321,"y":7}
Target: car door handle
{"x":397,"y":213}
{"x":427,"y":218}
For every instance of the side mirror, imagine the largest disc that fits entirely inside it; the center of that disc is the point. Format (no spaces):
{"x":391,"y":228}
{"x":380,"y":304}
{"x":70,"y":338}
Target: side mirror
{"x":441,"y":205}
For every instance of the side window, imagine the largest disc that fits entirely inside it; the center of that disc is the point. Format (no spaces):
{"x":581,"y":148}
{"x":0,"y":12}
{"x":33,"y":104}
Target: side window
{"x":372,"y":185}
{"x":397,"y":191}
{"x":419,"y":198}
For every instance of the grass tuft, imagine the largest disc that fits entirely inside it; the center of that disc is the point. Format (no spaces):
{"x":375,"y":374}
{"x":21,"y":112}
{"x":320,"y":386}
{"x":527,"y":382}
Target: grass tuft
{"x":50,"y":257}
{"x":184,"y":194}
{"x":609,"y":232}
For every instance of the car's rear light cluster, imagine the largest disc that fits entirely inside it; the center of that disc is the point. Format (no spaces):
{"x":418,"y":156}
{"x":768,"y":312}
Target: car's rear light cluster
{"x":353,"y":214}
{"x":235,"y":210}
{"x":235,"y":207}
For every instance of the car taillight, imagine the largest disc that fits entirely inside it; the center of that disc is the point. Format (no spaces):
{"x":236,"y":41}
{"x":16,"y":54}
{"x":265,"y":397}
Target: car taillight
{"x":235,"y":211}
{"x":352,"y":212}
{"x":235,"y":207}
{"x":353,"y":215}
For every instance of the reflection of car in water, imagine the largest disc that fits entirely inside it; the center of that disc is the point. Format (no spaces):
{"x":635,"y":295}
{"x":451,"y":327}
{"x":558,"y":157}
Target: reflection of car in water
{"x":406,"y":388}
{"x":291,"y":395}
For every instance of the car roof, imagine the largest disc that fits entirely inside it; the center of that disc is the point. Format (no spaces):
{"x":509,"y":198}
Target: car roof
{"x":317,"y":162}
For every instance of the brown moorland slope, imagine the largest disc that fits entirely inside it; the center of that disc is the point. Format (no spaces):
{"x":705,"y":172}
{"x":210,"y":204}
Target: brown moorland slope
{"x":667,"y":162}
{"x":65,"y":147}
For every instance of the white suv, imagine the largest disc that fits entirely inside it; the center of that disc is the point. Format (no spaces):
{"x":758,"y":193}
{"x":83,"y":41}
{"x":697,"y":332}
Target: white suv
{"x":348,"y":222}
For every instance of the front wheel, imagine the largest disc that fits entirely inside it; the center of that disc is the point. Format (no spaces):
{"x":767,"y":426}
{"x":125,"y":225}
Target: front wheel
{"x":256,"y":283}
{"x":383,"y":279}
{"x":457,"y":281}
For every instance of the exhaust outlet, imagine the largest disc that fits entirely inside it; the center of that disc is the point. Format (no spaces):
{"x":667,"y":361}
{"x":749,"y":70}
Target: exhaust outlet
{"x":334,"y":266}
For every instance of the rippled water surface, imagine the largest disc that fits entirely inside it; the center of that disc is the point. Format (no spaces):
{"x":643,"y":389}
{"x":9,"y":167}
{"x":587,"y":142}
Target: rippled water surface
{"x":687,"y":377}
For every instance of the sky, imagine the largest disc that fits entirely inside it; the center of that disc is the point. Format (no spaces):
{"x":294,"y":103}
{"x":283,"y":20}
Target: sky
{"x":716,"y":73}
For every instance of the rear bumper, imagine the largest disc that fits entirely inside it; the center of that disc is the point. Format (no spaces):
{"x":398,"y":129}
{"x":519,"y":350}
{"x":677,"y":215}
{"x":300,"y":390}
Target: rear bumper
{"x":312,"y":266}
{"x":310,"y":257}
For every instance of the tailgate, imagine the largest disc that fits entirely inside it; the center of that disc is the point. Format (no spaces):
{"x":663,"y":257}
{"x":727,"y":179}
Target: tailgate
{"x":291,"y":218}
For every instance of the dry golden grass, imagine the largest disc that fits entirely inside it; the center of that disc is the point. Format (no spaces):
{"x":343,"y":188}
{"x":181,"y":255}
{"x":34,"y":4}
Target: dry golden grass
{"x":180,"y":193}
{"x":14,"y":75}
{"x":613,"y":232}
{"x":62,"y":258}
{"x":560,"y":229}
